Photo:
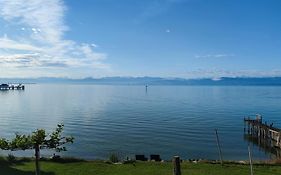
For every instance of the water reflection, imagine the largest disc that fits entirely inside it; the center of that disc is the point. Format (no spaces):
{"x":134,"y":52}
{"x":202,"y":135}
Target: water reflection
{"x":165,"y":120}
{"x":266,"y":145}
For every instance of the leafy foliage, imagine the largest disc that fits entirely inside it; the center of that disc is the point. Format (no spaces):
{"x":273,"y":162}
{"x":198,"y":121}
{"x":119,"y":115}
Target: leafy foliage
{"x":4,"y":144}
{"x":56,"y":141}
{"x":37,"y":138}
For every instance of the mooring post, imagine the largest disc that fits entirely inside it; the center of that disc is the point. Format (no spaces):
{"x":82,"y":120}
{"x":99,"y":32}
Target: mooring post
{"x":249,"y":126}
{"x":250,"y":160}
{"x":244,"y":125}
{"x":219,"y":146}
{"x":278,"y":139}
{"x":177,"y":167}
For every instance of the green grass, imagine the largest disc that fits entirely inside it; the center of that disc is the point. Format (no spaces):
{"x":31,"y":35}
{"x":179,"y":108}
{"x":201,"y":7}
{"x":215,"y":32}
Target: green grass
{"x":26,"y":167}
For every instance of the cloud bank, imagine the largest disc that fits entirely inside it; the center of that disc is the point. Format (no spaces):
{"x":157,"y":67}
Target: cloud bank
{"x":218,"y":73}
{"x":214,"y":55}
{"x":40,"y":41}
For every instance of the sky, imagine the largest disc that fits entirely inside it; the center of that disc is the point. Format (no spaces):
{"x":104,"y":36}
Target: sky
{"x":159,"y":38}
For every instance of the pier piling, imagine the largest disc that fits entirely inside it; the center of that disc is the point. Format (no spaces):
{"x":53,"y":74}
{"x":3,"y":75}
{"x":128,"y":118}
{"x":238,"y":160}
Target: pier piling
{"x":262,"y":131}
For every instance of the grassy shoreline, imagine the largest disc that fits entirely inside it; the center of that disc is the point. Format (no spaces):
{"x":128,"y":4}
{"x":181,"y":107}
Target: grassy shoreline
{"x":69,"y":166}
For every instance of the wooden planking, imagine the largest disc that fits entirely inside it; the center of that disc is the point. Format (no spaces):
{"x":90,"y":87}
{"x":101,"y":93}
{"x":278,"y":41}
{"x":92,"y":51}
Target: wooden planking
{"x":258,"y":129}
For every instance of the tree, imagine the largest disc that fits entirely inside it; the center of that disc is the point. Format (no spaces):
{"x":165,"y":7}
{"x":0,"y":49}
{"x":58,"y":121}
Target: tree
{"x":37,"y":140}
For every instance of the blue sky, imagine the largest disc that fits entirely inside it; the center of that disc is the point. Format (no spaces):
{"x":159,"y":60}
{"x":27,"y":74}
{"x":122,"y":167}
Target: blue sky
{"x":166,"y":38}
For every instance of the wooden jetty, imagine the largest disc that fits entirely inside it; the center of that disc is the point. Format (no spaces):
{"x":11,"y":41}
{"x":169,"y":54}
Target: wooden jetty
{"x":262,"y":131}
{"x":11,"y":87}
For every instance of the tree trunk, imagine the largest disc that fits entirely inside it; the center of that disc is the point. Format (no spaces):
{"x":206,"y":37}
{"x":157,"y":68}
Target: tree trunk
{"x":37,"y":157}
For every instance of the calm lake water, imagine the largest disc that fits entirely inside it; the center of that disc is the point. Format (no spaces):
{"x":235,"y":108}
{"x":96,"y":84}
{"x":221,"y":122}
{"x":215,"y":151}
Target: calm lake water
{"x":165,"y":120}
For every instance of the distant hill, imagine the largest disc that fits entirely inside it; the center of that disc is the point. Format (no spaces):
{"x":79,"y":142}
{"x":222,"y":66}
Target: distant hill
{"x":224,"y":81}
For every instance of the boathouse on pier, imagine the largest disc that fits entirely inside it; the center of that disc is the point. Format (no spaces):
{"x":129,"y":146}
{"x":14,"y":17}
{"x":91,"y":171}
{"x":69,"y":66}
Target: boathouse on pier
{"x":11,"y":87}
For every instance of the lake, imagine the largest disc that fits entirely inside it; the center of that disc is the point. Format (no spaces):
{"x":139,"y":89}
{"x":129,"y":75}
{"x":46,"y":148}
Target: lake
{"x":129,"y":120}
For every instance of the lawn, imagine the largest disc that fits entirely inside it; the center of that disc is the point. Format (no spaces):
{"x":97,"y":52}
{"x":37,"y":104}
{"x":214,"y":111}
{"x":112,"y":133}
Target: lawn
{"x":26,"y":167}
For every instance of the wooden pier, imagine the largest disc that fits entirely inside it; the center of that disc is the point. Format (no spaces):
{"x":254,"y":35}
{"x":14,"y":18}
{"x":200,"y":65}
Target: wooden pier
{"x":266,"y":134}
{"x":12,"y":87}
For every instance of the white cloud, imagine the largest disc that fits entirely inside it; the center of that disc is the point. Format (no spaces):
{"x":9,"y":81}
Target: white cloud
{"x":7,"y":43}
{"x":43,"y":43}
{"x":94,"y":45}
{"x":36,"y":30}
{"x":216,"y":74}
{"x":47,"y":15}
{"x":214,"y":56}
{"x":156,"y":8}
{"x":30,"y":60}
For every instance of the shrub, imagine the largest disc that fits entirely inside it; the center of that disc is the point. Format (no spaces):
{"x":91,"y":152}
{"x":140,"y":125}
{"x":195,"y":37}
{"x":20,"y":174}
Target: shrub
{"x":114,"y":158}
{"x":11,"y":158}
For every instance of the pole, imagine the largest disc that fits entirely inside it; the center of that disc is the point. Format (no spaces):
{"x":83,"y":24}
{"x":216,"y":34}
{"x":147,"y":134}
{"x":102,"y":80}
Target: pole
{"x":177,"y":167}
{"x":250,"y":159}
{"x":219,"y":146}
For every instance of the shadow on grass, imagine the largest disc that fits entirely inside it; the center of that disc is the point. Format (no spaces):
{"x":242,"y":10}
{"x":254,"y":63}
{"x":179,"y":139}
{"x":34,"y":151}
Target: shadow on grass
{"x":7,"y":168}
{"x":63,"y":160}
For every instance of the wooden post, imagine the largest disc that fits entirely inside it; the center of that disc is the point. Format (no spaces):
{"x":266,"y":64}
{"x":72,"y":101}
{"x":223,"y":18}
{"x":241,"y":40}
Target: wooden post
{"x":250,"y":159}
{"x":278,"y":139}
{"x":37,"y":157}
{"x":219,"y":146}
{"x":244,"y":125}
{"x":177,"y":167}
{"x":249,"y":126}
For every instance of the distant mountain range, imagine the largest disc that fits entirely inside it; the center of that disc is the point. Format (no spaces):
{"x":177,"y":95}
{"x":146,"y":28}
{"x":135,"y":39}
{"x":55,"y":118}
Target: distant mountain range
{"x":224,"y":81}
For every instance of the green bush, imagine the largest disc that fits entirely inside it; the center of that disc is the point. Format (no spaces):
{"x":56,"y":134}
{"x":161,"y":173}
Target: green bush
{"x":114,"y":158}
{"x":11,"y":158}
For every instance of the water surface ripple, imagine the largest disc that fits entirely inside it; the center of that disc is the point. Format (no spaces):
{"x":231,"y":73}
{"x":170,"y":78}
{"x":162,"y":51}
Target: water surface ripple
{"x":165,"y":120}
